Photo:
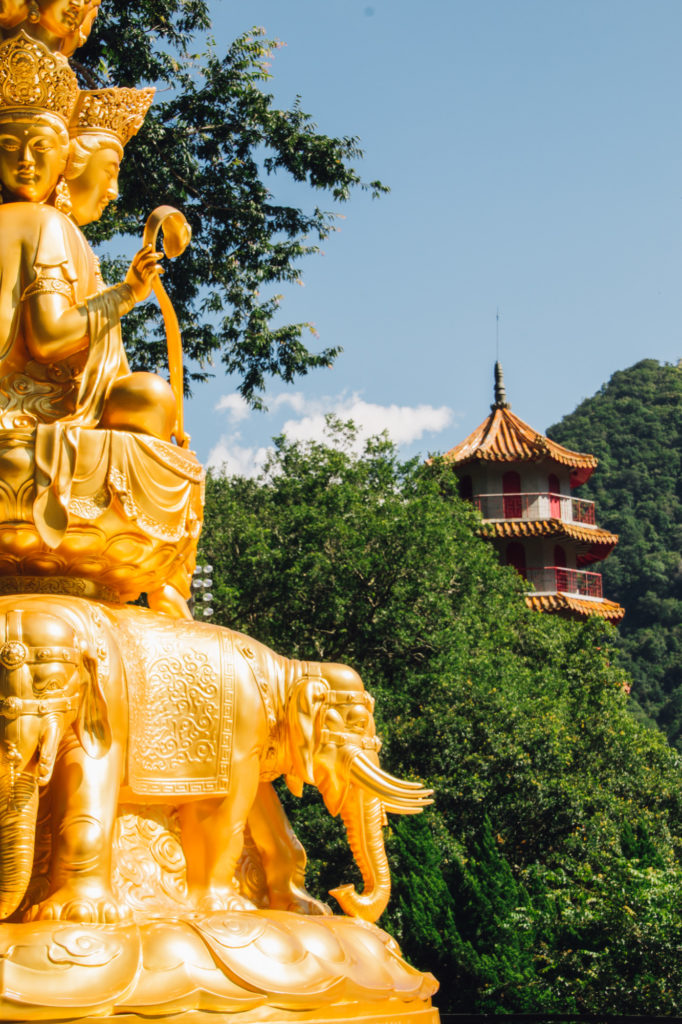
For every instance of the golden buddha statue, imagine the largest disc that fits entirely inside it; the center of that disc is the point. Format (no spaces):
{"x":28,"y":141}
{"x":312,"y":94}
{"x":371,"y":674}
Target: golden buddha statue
{"x":60,"y":25}
{"x":147,"y":867}
{"x":63,"y":368}
{"x":65,"y":335}
{"x":103,"y":123}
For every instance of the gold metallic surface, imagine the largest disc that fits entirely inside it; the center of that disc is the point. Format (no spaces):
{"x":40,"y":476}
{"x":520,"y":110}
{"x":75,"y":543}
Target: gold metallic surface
{"x":236,"y":967}
{"x":147,"y":867}
{"x":177,"y":236}
{"x":120,"y":112}
{"x":122,"y":511}
{"x":159,"y":869}
{"x":34,"y":80}
{"x":393,"y":1011}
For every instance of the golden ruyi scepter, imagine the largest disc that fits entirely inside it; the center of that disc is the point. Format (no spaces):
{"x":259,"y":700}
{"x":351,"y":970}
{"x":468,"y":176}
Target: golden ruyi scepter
{"x":177,"y":235}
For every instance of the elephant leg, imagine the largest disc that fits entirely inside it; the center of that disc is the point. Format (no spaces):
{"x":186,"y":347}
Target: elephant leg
{"x":84,"y":795}
{"x":282,"y":855}
{"x":213,"y":838}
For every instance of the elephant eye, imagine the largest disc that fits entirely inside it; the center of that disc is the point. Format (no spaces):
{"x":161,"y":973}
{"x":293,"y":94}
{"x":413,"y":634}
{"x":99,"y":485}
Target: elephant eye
{"x":358,"y":719}
{"x":50,"y":683}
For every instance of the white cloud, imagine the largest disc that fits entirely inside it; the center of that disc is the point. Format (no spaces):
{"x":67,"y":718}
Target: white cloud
{"x":238,"y":409}
{"x":235,"y":406}
{"x":237,"y":460}
{"x":403,"y":423}
{"x":295,"y":399}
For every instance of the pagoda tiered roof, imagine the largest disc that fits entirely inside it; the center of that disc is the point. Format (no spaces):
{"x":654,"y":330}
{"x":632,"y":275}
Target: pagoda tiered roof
{"x":504,"y":437}
{"x":603,"y":609}
{"x":594,"y":544}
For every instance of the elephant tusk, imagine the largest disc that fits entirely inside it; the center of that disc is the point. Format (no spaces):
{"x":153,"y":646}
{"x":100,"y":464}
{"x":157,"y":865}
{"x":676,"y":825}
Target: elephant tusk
{"x":363,"y":767}
{"x":392,"y":802}
{"x":371,"y":776}
{"x":393,"y":793}
{"x":394,"y":808}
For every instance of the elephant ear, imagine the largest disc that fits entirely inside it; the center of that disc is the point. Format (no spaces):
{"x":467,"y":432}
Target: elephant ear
{"x":92,"y":721}
{"x":303,"y":711}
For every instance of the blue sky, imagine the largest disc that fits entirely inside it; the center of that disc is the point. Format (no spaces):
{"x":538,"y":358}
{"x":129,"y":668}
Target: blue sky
{"x":534,"y":154}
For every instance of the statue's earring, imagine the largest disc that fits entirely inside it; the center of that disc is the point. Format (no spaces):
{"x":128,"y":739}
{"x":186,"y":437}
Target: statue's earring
{"x":62,"y":200}
{"x":34,"y":12}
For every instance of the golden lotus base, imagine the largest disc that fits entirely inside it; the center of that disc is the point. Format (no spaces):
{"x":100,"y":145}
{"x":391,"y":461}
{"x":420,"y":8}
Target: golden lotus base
{"x":134,"y":507}
{"x":266,"y":966}
{"x":392,"y":1012}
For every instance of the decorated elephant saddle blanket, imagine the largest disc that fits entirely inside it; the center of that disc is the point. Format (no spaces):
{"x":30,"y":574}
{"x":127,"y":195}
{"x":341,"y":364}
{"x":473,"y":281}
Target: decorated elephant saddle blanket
{"x":180,"y":678}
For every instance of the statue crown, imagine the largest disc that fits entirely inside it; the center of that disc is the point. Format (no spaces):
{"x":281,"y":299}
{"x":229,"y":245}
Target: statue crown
{"x":118,"y":111}
{"x":33,"y":78}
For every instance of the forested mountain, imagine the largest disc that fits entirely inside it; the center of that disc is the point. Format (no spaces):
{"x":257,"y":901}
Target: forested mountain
{"x":634,"y":426}
{"x":547,"y":875}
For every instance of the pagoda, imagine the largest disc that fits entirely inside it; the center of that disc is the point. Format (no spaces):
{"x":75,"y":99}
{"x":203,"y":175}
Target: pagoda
{"x":522,"y":482}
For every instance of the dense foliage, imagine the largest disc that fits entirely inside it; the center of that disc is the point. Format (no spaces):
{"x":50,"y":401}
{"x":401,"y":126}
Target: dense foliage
{"x":634,"y":426}
{"x":546,"y":877}
{"x":212,"y":145}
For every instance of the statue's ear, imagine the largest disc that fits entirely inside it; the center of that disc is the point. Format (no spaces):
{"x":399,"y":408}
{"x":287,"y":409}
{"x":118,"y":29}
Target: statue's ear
{"x":303,"y":711}
{"x":92,"y":721}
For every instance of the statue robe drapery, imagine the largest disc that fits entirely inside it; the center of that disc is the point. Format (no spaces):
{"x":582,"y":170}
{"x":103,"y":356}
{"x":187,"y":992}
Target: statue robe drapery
{"x":58,"y":396}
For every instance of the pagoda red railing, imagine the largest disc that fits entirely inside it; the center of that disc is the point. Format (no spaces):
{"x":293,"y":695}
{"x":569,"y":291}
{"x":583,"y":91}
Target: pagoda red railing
{"x":554,"y":579}
{"x":536,"y":505}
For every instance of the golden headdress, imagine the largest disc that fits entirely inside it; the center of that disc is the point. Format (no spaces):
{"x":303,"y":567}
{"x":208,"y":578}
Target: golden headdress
{"x":118,"y":112}
{"x":35,"y":81}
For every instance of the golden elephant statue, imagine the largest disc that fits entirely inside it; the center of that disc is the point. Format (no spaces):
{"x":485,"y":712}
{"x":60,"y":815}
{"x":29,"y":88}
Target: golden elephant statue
{"x":103,"y":704}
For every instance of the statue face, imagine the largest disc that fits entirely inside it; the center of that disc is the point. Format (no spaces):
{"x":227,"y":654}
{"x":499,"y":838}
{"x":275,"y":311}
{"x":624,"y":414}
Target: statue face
{"x":13,"y":12}
{"x":61,"y":17}
{"x":95,"y":186}
{"x":78,"y":37}
{"x":32,"y":156}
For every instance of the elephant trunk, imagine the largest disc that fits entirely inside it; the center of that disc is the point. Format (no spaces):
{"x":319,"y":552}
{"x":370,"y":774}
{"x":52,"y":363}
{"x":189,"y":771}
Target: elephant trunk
{"x":18,"y":813}
{"x":363,"y":816}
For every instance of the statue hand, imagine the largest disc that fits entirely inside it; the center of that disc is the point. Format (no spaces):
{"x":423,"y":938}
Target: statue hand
{"x":141,"y":273}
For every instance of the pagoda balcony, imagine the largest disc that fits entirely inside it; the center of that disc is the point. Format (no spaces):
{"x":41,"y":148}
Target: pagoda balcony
{"x":554,"y":579}
{"x":534,"y":505}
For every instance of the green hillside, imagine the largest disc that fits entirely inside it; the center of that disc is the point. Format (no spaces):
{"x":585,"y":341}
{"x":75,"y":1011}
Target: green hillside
{"x":634,"y":426}
{"x":547,"y":875}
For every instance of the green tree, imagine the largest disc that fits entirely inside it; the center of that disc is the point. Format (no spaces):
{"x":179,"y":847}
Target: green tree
{"x":213,"y":146}
{"x":634,"y":425}
{"x":516,"y":719}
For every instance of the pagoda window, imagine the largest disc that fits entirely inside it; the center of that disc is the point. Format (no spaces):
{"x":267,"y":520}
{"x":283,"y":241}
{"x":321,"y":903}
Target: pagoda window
{"x":466,"y":488}
{"x":516,"y":556}
{"x":511,"y":501}
{"x":554,"y":488}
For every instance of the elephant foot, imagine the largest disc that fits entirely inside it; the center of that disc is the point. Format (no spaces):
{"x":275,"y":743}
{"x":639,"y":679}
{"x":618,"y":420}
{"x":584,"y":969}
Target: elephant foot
{"x":89,"y":906}
{"x":223,"y":899}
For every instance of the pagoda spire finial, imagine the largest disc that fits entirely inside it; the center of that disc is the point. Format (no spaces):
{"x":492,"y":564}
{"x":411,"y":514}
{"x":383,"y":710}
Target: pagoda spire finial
{"x":500,"y":393}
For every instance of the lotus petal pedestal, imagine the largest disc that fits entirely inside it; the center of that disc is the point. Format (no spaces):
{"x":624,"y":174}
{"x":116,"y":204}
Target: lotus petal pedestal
{"x":129,"y":509}
{"x":264,"y":966}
